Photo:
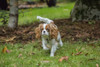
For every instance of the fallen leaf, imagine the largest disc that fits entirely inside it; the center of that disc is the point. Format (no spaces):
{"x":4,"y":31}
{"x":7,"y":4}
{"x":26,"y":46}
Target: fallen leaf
{"x":38,"y":64}
{"x":78,"y":53}
{"x":14,"y":65}
{"x":86,"y":54}
{"x":4,"y":30}
{"x":91,"y":59}
{"x":63,"y":58}
{"x":31,"y":53}
{"x":92,"y":45}
{"x":10,"y":39}
{"x":72,"y":54}
{"x":4,"y":49}
{"x":19,"y":55}
{"x":45,"y":61}
{"x":26,"y":29}
{"x":97,"y":65}
{"x":30,"y":33}
{"x":76,"y":49}
{"x":8,"y":51}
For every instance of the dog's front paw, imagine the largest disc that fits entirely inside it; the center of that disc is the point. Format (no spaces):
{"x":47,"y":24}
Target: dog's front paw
{"x":51,"y":55}
{"x":61,"y":44}
{"x":45,"y":48}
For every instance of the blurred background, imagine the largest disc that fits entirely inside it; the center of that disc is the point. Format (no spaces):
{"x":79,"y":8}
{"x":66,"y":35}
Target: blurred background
{"x":29,"y":9}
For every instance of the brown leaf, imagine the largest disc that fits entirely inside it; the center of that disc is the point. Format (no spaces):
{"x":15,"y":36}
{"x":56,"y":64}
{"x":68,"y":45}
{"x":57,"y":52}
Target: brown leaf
{"x":76,"y":49}
{"x":4,"y":30}
{"x":97,"y":65}
{"x":91,"y":59}
{"x":63,"y":58}
{"x":4,"y":49}
{"x":72,"y":54}
{"x":92,"y":45}
{"x":86,"y":54}
{"x":45,"y":61}
{"x":30,"y":33}
{"x":31,"y":53}
{"x":19,"y":55}
{"x":10,"y":39}
{"x":8,"y":51}
{"x":26,"y":30}
{"x":78,"y":53}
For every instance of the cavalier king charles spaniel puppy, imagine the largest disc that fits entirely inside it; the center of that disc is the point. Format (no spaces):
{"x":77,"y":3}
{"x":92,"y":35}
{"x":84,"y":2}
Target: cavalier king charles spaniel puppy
{"x":49,"y":33}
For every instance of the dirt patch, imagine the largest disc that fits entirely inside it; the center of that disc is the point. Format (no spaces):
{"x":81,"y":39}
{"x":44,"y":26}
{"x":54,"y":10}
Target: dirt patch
{"x":70,"y":31}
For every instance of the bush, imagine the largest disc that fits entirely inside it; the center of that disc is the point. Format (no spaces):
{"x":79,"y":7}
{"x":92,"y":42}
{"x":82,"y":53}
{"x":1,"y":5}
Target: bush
{"x":4,"y":17}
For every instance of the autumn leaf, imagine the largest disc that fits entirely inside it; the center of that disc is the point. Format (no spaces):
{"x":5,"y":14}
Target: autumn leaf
{"x":76,"y":49}
{"x":4,"y":49}
{"x":45,"y":61}
{"x":10,"y":39}
{"x":8,"y":51}
{"x":72,"y":54}
{"x":63,"y":58}
{"x":78,"y":53}
{"x":4,"y":30}
{"x":97,"y":65}
{"x":19,"y":55}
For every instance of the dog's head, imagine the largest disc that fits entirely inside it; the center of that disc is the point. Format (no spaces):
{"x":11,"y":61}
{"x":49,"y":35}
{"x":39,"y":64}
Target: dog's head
{"x":46,"y":30}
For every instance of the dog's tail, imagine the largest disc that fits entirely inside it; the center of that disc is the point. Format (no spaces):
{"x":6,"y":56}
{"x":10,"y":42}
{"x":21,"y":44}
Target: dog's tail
{"x":46,"y":20}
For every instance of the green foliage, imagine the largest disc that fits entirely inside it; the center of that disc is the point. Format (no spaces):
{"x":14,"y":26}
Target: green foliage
{"x":32,"y":55}
{"x":91,"y":22}
{"x":3,"y":16}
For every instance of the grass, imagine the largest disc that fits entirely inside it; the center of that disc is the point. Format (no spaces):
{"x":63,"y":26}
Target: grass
{"x":29,"y":15}
{"x":32,"y":55}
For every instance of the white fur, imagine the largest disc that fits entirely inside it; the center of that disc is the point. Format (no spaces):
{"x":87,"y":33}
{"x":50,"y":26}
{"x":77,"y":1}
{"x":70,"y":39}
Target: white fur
{"x":53,"y":42}
{"x":45,"y":36}
{"x":44,"y":31}
{"x":46,"y":20}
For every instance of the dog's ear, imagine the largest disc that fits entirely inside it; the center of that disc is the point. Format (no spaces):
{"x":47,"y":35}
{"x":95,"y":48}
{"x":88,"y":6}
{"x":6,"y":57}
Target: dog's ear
{"x":53,"y":30}
{"x":38,"y":31}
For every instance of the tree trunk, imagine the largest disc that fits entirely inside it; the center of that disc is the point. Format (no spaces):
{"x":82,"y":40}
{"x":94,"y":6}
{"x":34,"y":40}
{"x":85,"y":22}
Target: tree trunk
{"x":3,"y":4}
{"x":86,"y":10}
{"x":13,"y":19}
{"x":51,"y":3}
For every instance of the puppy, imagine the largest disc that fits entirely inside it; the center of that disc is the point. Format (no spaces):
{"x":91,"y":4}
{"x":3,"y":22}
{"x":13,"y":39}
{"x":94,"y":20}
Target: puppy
{"x":49,"y":33}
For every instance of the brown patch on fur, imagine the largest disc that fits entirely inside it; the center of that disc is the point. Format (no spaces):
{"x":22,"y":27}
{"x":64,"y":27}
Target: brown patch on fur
{"x":53,"y":30}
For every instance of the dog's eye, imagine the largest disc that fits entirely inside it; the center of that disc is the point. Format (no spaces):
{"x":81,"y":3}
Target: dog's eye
{"x":47,"y":29}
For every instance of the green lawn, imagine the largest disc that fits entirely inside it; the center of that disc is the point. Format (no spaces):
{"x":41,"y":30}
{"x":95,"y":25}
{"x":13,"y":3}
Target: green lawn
{"x":27,"y":16}
{"x":61,"y":11}
{"x":32,"y":55}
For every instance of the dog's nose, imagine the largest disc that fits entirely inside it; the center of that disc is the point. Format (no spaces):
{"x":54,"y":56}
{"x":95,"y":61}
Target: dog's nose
{"x":43,"y":31}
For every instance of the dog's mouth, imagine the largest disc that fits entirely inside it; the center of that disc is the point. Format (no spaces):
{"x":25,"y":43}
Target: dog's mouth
{"x":45,"y":35}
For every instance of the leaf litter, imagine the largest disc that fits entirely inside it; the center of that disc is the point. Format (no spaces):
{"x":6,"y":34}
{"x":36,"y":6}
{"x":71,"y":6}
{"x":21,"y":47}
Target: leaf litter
{"x":71,"y":31}
{"x":63,"y":58}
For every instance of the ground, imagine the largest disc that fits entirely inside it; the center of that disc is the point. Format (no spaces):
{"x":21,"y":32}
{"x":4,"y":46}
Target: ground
{"x":70,"y":31}
{"x":20,"y":48}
